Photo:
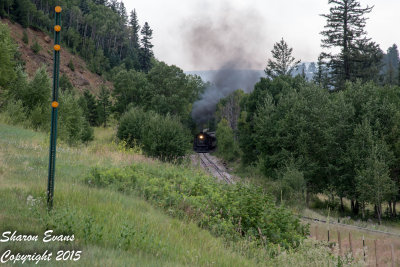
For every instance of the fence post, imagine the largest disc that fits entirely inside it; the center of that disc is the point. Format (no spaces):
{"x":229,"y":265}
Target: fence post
{"x":376,"y":253}
{"x":393,"y":256}
{"x":340,"y":243}
{"x":363,"y":243}
{"x":351,"y":244}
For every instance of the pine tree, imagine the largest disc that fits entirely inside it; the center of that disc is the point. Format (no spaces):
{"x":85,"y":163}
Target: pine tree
{"x":321,"y":75}
{"x":91,"y":113}
{"x":391,"y":65}
{"x":135,"y":28}
{"x":345,"y":25}
{"x":146,"y":49}
{"x":284,"y":63}
{"x":104,"y":105}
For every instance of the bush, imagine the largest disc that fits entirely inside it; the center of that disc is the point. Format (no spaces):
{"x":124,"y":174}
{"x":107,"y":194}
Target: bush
{"x":160,"y":136}
{"x":71,"y":65}
{"x":15,"y":112}
{"x":227,"y":147}
{"x":25,"y":38}
{"x":65,"y":84}
{"x":72,"y":125}
{"x":236,"y":212}
{"x":40,"y":118}
{"x":36,"y":47}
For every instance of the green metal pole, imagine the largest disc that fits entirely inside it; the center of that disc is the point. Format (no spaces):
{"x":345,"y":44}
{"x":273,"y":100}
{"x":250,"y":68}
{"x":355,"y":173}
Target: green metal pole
{"x":54,"y":107}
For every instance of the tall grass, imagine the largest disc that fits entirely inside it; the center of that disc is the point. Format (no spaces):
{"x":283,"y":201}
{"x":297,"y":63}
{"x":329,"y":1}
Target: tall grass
{"x":111,"y":228}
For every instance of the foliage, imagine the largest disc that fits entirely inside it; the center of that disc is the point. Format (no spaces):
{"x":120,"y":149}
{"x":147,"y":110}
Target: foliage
{"x":161,"y":136}
{"x":15,"y":112}
{"x":7,"y":62}
{"x":229,"y":108}
{"x":146,"y":51}
{"x":227,"y":147}
{"x":236,"y":212}
{"x":25,"y":38}
{"x":72,"y":124}
{"x":89,"y":106}
{"x":359,"y":58}
{"x":104,"y":105}
{"x":329,"y":138}
{"x":65,"y":84}
{"x":71,"y":65}
{"x":165,"y":90}
{"x":284,"y":63}
{"x":36,"y":47}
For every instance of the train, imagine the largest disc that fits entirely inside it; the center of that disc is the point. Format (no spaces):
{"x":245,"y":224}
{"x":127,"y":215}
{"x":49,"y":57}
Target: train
{"x":204,"y":142}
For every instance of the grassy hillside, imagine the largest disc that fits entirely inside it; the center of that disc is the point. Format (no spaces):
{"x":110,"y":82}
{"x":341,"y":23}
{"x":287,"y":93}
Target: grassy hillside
{"x":110,"y":228}
{"x":155,"y":239}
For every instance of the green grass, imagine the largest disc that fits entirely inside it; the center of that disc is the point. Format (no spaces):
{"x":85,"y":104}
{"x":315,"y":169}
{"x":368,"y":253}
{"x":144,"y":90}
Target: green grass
{"x":133,"y":232}
{"x":111,"y":228}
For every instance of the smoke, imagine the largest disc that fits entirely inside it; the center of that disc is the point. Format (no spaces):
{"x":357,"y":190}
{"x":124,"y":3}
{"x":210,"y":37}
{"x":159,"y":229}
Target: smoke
{"x":230,"y":40}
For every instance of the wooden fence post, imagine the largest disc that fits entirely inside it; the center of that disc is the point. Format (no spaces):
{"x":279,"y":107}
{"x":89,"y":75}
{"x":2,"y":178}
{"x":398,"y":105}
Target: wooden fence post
{"x":316,"y":232}
{"x":351,"y":244}
{"x":376,"y":254}
{"x":340,"y":243}
{"x":393,"y":256}
{"x":364,"y":248}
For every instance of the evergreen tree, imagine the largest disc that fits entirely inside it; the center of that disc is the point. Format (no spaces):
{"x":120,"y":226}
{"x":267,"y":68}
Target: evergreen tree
{"x":91,"y":113}
{"x":321,"y":75}
{"x":345,"y":25}
{"x":367,"y":61}
{"x":135,"y":28}
{"x":104,"y":105}
{"x":284,"y":63}
{"x":146,"y":49}
{"x":391,"y":65}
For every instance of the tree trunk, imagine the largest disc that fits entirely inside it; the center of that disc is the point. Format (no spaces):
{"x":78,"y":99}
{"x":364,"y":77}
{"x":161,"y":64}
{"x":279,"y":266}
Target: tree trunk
{"x":356,"y":207}
{"x":341,"y":204}
{"x":379,"y":211}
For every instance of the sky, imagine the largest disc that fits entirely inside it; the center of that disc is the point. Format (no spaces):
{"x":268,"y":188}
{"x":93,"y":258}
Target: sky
{"x":206,"y":34}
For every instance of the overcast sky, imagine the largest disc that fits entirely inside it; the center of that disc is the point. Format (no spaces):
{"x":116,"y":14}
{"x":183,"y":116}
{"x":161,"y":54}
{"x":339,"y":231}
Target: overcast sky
{"x":205,"y":34}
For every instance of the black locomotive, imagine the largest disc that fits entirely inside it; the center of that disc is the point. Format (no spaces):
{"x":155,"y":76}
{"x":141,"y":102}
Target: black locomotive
{"x":204,"y":142}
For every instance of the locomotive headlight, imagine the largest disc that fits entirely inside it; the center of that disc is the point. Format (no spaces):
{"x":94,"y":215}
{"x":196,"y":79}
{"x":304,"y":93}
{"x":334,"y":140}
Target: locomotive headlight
{"x":201,"y":137}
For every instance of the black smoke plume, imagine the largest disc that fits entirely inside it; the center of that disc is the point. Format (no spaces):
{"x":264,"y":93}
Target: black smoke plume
{"x":233,"y":42}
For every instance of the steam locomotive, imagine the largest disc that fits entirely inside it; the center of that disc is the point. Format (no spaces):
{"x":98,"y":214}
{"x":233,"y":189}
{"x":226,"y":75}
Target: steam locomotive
{"x":204,"y":142}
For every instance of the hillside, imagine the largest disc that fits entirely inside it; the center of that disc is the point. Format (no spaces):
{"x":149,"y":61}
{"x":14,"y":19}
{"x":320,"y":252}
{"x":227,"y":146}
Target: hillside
{"x":81,"y":78}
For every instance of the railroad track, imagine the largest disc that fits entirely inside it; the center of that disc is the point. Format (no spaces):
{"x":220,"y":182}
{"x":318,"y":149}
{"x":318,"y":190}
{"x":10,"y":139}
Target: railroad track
{"x":208,"y":163}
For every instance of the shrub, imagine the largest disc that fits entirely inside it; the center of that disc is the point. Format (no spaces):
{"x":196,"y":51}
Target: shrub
{"x":160,"y":136}
{"x":65,"y":84}
{"x":72,"y":125}
{"x":71,"y":65}
{"x":236,"y":212}
{"x":15,"y":112}
{"x":36,"y":47}
{"x":25,"y":38}
{"x":227,"y":147}
{"x":40,"y":117}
